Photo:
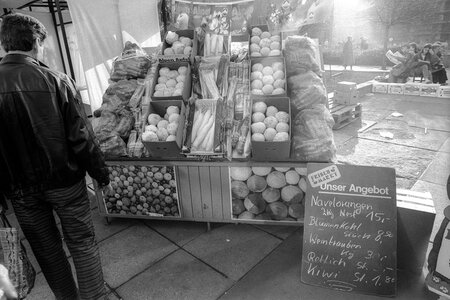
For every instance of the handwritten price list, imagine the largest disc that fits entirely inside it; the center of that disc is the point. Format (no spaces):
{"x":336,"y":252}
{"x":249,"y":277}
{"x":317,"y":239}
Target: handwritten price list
{"x":350,"y":241}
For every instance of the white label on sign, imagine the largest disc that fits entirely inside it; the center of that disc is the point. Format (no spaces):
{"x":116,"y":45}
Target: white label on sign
{"x":323,"y":176}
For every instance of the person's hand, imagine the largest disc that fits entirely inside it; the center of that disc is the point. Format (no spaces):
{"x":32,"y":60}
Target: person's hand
{"x":7,"y":290}
{"x":106,"y":190}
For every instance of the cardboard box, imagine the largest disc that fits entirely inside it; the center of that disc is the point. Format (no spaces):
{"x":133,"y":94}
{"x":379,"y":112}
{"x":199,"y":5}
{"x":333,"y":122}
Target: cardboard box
{"x":263,"y":29}
{"x":444,"y":92}
{"x":396,"y":88}
{"x":346,"y":98}
{"x":166,"y":149}
{"x":187,"y":81}
{"x":273,"y":151}
{"x":345,"y":86}
{"x":429,"y":90}
{"x":412,"y":88}
{"x":180,"y":57}
{"x":268,"y":61}
{"x":380,"y":87}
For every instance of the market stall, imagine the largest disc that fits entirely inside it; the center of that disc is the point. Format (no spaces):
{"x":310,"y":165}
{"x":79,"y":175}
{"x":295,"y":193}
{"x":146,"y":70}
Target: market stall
{"x":213,"y":126}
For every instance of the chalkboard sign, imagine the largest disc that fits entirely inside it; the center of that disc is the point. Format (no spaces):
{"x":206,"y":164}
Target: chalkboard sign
{"x":350,"y":229}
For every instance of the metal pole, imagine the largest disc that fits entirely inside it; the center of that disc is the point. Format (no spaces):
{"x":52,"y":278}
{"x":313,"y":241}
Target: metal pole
{"x":52,"y":12}
{"x":63,"y":30}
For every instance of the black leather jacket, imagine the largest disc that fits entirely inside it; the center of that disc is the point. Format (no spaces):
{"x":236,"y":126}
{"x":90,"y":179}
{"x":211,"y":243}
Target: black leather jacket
{"x":45,"y":139}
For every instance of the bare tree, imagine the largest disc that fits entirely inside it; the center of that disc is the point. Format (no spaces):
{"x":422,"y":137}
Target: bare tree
{"x":390,"y":13}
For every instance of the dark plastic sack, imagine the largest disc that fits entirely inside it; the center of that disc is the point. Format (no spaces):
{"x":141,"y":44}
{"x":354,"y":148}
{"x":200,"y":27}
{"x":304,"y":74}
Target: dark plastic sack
{"x":312,"y":135}
{"x":107,"y":122}
{"x":20,"y":269}
{"x":113,"y":145}
{"x":299,"y":54}
{"x":132,"y":63}
{"x":125,"y":125}
{"x":306,"y":90}
{"x":117,"y":96}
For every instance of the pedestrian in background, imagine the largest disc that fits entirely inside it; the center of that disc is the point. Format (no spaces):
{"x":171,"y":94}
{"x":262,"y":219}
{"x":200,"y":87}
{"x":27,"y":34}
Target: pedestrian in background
{"x":347,"y":54}
{"x":46,"y":146}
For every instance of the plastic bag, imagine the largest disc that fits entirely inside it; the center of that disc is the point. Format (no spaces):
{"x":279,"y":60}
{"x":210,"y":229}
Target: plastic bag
{"x":135,"y":146}
{"x":136,"y":98}
{"x":123,"y":89}
{"x":125,"y":125}
{"x":300,"y":55}
{"x":113,"y":145}
{"x":312,"y":135}
{"x":132,"y":63}
{"x":106,"y":124}
{"x":20,"y":269}
{"x":306,"y":90}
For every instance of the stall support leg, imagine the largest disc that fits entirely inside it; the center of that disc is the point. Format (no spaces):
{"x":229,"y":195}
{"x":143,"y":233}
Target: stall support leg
{"x":208,"y":226}
{"x":108,"y":221}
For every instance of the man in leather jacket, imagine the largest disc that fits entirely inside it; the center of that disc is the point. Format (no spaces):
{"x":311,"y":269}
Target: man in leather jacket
{"x":46,"y":147}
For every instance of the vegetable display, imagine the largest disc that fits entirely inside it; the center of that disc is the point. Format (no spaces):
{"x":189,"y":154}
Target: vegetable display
{"x":202,"y":136}
{"x":264,"y":43}
{"x":268,"y":78}
{"x":142,"y":190}
{"x":213,"y":44}
{"x":269,"y":124}
{"x":162,"y":129}
{"x":170,"y":82}
{"x":178,"y":44}
{"x":266,"y":193}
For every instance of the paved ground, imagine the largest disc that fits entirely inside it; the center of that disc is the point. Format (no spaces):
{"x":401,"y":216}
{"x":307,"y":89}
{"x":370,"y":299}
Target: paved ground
{"x":181,"y":260}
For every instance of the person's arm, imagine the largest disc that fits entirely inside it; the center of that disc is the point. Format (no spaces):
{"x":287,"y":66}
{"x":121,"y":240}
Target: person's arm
{"x":79,"y":134}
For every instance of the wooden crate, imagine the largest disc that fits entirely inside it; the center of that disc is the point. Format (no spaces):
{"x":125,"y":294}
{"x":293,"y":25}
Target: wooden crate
{"x":344,"y":114}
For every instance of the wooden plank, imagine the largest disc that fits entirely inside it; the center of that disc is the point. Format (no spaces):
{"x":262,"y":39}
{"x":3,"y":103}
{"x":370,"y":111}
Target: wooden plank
{"x":344,"y":123}
{"x":205,"y":189}
{"x":344,"y":109}
{"x":216,"y":193}
{"x":226,"y":192}
{"x":196,"y":193}
{"x":367,"y":126}
{"x":184,"y":192}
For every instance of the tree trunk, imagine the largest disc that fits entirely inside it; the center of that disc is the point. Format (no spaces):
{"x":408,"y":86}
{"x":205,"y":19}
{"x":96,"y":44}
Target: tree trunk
{"x":385,"y":45}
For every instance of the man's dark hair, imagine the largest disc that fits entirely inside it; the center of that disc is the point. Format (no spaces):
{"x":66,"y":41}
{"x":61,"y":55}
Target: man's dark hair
{"x":18,"y":32}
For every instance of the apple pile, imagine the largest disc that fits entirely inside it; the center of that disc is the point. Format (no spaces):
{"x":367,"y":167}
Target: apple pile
{"x":268,"y":78}
{"x":142,"y":190}
{"x":170,"y":82}
{"x":162,"y":129}
{"x":269,"y":124}
{"x":264,"y":43}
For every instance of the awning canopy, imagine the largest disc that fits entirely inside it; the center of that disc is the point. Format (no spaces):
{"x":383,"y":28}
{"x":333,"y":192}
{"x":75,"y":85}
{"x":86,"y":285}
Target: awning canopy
{"x":15,"y":3}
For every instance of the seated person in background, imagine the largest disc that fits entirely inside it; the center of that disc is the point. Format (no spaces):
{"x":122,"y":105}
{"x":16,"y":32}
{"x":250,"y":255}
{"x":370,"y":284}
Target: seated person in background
{"x":401,"y":71}
{"x":422,"y":61}
{"x":414,"y":48}
{"x":438,"y":73}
